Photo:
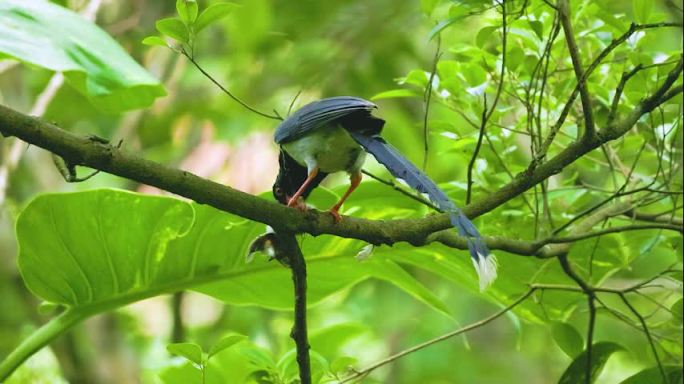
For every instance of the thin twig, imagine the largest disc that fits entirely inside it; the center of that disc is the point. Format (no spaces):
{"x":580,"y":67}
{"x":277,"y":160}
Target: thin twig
{"x":426,"y":97}
{"x":226,"y":91}
{"x":471,"y":164}
{"x":648,"y":335}
{"x":366,"y":371}
{"x":487,"y":113}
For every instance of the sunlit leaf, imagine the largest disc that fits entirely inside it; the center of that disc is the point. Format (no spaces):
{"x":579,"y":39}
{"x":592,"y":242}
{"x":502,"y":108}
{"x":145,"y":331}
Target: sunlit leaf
{"x":394,"y":93}
{"x":190,"y":351}
{"x":46,"y":35}
{"x":154,"y":40}
{"x":174,"y":28}
{"x":212,"y":14}
{"x":187,"y":10}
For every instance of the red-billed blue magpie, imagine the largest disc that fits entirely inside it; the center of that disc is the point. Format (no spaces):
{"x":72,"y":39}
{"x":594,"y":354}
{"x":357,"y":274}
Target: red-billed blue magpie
{"x":333,"y":135}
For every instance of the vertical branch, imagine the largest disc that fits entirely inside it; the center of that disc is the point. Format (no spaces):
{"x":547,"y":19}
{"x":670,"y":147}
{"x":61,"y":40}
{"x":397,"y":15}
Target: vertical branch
{"x":564,"y":14}
{"x":471,"y":164}
{"x":295,"y":259}
{"x":178,"y":328}
{"x":487,"y":113}
{"x":591,"y":302}
{"x":427,"y":96}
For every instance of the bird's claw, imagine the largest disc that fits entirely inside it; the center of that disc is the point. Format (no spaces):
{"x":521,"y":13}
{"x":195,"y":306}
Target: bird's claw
{"x":298,"y":203}
{"x":336,"y":215}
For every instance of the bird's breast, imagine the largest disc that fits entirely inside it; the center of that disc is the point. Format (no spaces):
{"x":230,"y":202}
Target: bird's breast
{"x":331,"y":148}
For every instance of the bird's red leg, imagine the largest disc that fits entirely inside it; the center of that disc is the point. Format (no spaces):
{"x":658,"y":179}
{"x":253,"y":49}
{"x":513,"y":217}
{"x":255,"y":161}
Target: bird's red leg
{"x":355,"y":179}
{"x":294,"y":199}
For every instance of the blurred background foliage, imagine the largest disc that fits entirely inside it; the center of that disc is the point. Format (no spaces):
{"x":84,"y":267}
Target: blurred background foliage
{"x":268,"y":51}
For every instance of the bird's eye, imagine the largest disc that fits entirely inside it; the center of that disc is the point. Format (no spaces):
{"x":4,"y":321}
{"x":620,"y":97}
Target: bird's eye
{"x":278,"y":191}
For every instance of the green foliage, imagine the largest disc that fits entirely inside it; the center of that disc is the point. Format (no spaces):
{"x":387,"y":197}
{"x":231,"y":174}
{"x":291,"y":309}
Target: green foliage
{"x":567,"y":338}
{"x":46,"y":35}
{"x":600,"y":353}
{"x":653,"y":375}
{"x":96,"y":251}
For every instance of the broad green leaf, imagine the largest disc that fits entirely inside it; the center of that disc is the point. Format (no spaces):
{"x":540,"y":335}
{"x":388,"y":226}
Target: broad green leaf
{"x":577,"y":373}
{"x":187,"y":10}
{"x":213,"y":13}
{"x":174,"y":28}
{"x":190,"y":351}
{"x":154,"y":40}
{"x":567,"y":338}
{"x":226,"y":342}
{"x":49,"y":36}
{"x":169,"y":245}
{"x":653,"y":375}
{"x":394,"y":93}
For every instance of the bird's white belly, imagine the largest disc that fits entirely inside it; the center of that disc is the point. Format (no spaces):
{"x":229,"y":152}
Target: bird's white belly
{"x":331,"y":148}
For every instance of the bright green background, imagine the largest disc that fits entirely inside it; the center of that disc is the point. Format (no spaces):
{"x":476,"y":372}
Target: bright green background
{"x":98,"y":246}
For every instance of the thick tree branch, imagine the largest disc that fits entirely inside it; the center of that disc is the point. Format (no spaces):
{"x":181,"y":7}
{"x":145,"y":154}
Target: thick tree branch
{"x":88,"y":152}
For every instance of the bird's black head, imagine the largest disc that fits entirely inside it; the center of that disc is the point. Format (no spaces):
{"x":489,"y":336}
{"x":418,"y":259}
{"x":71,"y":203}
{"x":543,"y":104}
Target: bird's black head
{"x":291,"y":176}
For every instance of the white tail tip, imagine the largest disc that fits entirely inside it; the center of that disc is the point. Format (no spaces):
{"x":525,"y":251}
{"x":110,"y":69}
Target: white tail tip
{"x":486,"y":270}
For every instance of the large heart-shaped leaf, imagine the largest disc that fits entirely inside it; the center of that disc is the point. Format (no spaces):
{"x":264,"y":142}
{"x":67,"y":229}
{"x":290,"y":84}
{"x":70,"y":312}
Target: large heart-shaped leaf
{"x":108,"y":246}
{"x":46,"y":35}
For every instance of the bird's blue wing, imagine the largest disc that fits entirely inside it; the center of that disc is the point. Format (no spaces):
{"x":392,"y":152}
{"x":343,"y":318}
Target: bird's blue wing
{"x":318,"y":114}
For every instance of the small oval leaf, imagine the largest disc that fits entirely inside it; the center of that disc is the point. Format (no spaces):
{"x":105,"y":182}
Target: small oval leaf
{"x":154,"y":40}
{"x":187,"y":10}
{"x":173,"y":28}
{"x":213,"y":13}
{"x":190,"y":351}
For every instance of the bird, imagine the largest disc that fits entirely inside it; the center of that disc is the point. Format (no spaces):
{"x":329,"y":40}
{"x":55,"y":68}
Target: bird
{"x":334,"y":135}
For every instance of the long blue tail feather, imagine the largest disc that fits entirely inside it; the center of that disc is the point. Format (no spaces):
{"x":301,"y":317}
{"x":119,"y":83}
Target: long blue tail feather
{"x":402,"y":168}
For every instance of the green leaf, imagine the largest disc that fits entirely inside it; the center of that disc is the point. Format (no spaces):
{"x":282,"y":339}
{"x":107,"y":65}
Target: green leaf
{"x":576,"y":372}
{"x":187,"y":10}
{"x":653,"y":375}
{"x":190,"y":351}
{"x":174,"y":28}
{"x":154,"y":40}
{"x":394,"y":93}
{"x":213,"y":13}
{"x":677,"y":309}
{"x":538,"y":28}
{"x":567,"y":338}
{"x":642,"y":10}
{"x":226,"y":342}
{"x":483,"y":35}
{"x":48,"y":36}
